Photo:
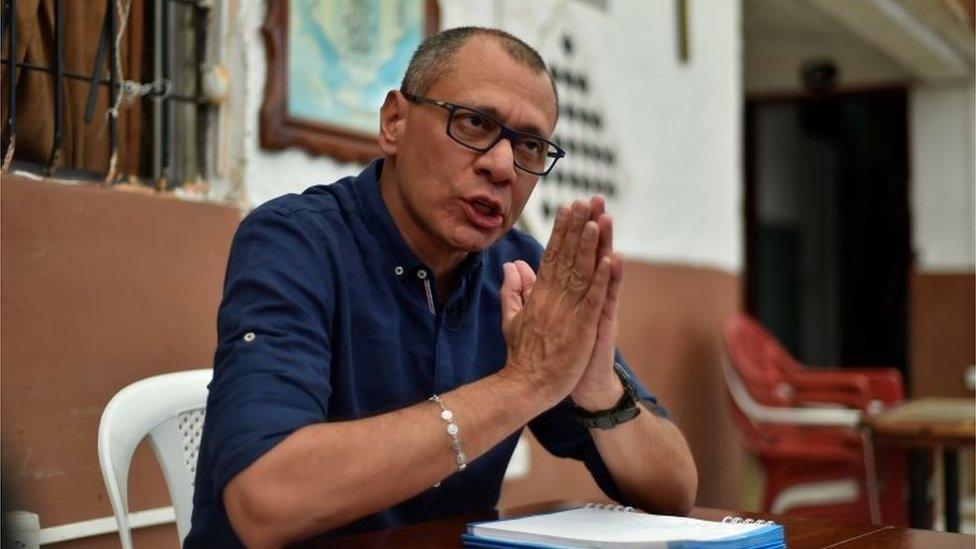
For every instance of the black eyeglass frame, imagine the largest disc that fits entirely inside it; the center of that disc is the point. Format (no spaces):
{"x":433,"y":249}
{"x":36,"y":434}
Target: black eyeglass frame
{"x":556,"y":152}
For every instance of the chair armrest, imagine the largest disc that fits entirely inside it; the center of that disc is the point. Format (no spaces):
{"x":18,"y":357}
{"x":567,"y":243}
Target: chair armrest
{"x":886,"y":383}
{"x":825,"y":417}
{"x":850,"y":389}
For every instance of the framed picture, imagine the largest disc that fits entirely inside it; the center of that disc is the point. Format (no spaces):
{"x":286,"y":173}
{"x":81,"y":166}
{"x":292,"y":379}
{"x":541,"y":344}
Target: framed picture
{"x":330,"y":65}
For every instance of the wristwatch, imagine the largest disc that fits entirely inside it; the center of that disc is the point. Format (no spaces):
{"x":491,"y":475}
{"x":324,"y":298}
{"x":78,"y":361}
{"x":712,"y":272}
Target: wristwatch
{"x":625,"y":410}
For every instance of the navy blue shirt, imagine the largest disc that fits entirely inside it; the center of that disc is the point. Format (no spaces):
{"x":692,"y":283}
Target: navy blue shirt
{"x":328,"y":316}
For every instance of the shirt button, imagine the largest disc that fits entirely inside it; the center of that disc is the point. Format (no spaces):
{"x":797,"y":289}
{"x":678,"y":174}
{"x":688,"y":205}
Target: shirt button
{"x":249,"y":337}
{"x":421,"y":274}
{"x":398,"y":270}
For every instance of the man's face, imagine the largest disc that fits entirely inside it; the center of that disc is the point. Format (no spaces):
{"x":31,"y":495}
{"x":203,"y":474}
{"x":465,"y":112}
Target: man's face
{"x":450,"y":198}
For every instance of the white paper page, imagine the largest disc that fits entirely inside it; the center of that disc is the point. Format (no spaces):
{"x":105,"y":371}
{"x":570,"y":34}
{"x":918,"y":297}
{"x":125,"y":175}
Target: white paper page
{"x":613,"y":526}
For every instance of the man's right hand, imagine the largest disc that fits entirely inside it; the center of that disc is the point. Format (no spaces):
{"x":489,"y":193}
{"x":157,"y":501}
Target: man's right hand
{"x":550,"y":334}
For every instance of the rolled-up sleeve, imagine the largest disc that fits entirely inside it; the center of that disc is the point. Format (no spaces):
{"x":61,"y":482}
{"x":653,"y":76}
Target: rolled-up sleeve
{"x":272,"y":364}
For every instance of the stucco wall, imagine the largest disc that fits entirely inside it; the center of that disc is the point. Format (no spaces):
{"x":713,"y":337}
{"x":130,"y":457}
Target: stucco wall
{"x":678,"y":125}
{"x":943,"y":177}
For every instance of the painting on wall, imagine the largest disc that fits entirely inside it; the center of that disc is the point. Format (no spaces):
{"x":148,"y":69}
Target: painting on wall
{"x":330,"y":65}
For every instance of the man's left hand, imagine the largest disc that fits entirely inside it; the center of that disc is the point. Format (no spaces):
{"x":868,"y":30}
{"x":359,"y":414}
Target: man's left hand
{"x":599,"y":388}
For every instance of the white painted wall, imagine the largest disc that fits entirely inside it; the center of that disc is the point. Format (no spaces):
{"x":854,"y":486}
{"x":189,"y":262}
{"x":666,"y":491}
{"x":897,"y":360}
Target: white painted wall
{"x":943,"y":178}
{"x":678,"y":125}
{"x":680,"y":129}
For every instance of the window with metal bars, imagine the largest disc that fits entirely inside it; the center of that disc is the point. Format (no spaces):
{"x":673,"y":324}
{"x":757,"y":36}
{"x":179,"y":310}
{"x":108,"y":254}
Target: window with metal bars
{"x":110,"y":90}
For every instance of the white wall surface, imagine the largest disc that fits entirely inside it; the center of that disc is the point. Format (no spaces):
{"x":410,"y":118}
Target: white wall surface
{"x":677,"y":126}
{"x":942,"y":124}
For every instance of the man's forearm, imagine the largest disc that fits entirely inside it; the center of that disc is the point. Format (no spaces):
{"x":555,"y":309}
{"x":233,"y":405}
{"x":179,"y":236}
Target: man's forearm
{"x":326,"y":475}
{"x":650,"y":462}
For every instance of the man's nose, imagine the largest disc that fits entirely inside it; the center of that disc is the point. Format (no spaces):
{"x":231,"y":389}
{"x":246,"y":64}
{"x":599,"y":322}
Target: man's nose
{"x":498,"y":163}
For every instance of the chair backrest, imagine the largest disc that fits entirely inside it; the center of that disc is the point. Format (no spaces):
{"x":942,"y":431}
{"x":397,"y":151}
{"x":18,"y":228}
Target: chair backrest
{"x":761,"y":397}
{"x":749,"y":346}
{"x":169,"y":409}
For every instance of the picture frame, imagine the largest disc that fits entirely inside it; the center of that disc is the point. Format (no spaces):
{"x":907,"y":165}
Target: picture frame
{"x":330,"y":63}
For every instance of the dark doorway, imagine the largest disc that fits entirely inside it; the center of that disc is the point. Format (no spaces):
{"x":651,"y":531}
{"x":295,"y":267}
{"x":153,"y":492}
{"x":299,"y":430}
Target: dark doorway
{"x":827,"y":224}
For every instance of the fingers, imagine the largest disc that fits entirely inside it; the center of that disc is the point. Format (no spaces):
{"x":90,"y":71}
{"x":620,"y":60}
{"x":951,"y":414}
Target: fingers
{"x":579,"y":215}
{"x":582,"y":270}
{"x":613,"y":287}
{"x":511,"y":293}
{"x":582,"y":234}
{"x":596,"y":294}
{"x":598,"y":207}
{"x":605,"y":248}
{"x":551,"y":253}
{"x":528,"y":278}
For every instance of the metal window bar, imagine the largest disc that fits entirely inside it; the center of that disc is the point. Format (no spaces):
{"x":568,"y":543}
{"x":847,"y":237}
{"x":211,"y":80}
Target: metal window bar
{"x":11,"y":122}
{"x":200,"y":17}
{"x":55,"y":160}
{"x":113,"y":77}
{"x":164,"y":24}
{"x":163,"y":127}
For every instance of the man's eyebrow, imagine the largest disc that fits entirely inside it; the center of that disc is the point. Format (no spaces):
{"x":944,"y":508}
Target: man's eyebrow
{"x":493,"y":112}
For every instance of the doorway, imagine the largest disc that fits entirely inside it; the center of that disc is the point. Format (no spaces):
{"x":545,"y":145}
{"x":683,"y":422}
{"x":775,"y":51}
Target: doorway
{"x":827,"y":225}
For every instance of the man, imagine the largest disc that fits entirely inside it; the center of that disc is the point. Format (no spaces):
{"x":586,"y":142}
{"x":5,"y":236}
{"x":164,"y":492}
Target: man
{"x":383,"y":340}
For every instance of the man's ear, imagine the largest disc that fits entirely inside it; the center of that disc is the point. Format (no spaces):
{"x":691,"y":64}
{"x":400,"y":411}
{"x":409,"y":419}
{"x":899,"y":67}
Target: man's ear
{"x":392,"y":122}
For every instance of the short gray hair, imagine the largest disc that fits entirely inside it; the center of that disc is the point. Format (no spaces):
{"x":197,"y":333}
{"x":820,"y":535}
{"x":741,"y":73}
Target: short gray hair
{"x":435,"y":55}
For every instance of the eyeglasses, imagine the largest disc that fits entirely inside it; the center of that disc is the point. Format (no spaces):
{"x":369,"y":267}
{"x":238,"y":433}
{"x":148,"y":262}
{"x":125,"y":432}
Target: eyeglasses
{"x":479,"y":131}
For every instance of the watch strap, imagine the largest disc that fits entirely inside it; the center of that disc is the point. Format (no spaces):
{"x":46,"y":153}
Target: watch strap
{"x":625,"y":410}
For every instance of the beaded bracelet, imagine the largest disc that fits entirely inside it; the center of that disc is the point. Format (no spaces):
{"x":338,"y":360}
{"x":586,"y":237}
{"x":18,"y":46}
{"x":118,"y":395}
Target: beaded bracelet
{"x":452,"y":431}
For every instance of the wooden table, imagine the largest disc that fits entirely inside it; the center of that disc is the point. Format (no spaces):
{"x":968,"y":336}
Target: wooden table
{"x":801,"y":533}
{"x":936,"y":424}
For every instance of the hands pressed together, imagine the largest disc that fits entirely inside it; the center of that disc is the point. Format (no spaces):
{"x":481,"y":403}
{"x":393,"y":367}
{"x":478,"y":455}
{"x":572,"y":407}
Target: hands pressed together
{"x":561,"y":326}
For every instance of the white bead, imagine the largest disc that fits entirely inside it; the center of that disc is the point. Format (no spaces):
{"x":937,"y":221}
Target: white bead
{"x":398,"y":270}
{"x":447,"y":415}
{"x":421,"y":274}
{"x":249,"y":337}
{"x":452,"y":429}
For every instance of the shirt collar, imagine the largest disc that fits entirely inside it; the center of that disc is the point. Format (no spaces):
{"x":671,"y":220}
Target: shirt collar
{"x":400,"y":258}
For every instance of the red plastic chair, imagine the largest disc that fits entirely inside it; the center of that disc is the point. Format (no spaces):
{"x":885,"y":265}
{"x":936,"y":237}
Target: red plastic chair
{"x":804,"y":425}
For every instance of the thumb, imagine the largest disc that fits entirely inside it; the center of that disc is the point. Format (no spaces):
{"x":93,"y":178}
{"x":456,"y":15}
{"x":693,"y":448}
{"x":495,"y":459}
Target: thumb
{"x":511,"y":293}
{"x":527,"y":276}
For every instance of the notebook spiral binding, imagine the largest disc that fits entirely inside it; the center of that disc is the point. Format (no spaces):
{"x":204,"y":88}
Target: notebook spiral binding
{"x":627,"y":509}
{"x":740,"y":520}
{"x":609,"y":507}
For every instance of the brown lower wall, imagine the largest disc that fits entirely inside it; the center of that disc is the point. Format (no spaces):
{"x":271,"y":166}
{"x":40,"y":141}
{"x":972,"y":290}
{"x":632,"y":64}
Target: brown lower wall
{"x":942,"y":332}
{"x":102,"y":287}
{"x":99,"y":289}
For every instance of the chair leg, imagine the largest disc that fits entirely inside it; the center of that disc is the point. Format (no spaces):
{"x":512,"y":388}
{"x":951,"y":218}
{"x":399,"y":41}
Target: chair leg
{"x":871,"y":476}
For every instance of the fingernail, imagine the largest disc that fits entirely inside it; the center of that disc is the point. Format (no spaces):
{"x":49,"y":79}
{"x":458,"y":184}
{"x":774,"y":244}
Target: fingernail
{"x":590,"y":230}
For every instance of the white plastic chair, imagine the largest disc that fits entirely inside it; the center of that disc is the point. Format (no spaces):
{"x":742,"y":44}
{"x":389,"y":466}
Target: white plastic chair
{"x":169,"y":409}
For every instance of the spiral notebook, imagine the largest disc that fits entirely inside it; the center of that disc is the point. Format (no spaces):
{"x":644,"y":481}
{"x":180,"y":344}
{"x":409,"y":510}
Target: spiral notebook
{"x":609,"y":526}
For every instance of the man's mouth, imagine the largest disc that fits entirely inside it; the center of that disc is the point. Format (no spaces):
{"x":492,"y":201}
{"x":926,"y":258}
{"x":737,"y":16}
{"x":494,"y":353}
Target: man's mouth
{"x":483,"y":213}
{"x":486,"y":208}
